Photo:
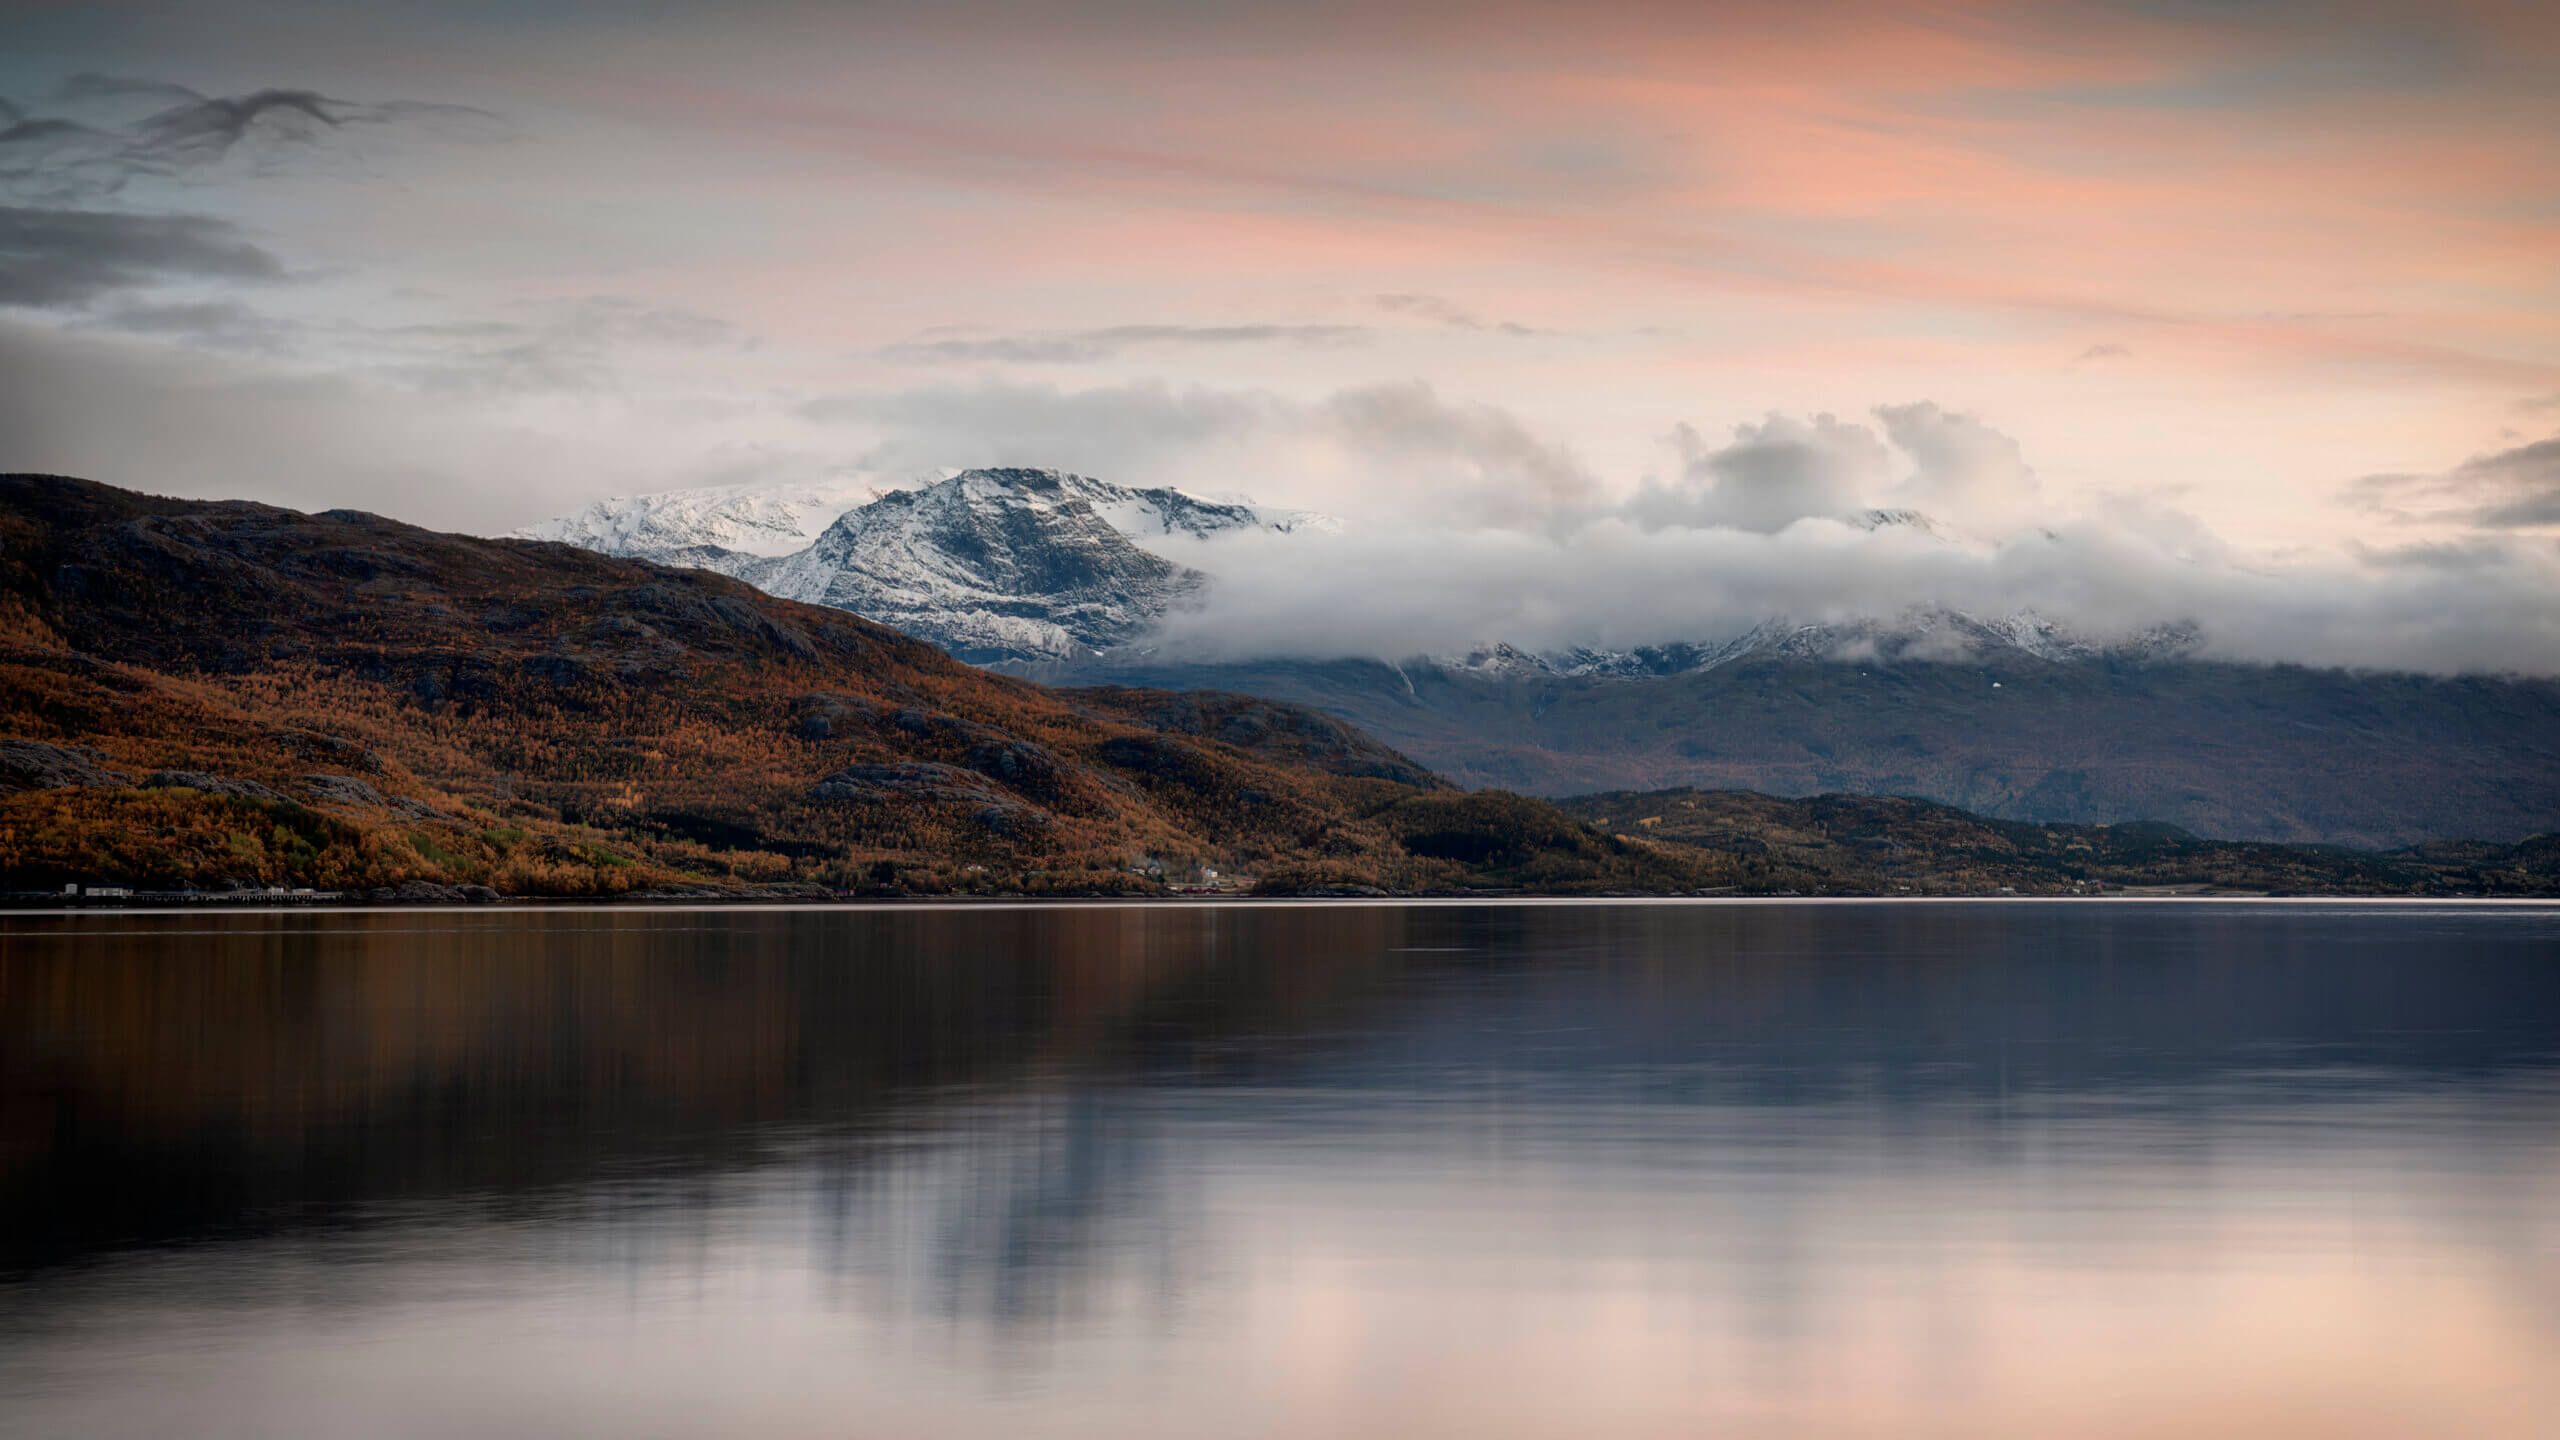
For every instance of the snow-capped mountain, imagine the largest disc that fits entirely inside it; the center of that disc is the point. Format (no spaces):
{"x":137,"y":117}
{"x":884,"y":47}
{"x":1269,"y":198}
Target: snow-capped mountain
{"x":997,"y":564}
{"x":773,"y":520}
{"x":1046,"y":567}
{"x":992,"y":565}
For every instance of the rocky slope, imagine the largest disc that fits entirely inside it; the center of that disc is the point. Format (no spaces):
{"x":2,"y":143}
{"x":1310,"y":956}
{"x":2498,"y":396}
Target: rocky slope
{"x":1001,"y":564}
{"x":993,"y":565}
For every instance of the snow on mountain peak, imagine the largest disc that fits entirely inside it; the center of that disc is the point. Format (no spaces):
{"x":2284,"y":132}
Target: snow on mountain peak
{"x":995,"y":563}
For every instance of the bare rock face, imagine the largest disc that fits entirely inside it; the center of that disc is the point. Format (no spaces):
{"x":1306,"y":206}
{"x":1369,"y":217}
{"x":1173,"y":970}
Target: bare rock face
{"x":210,"y":784}
{"x":350,"y":791}
{"x":35,"y":765}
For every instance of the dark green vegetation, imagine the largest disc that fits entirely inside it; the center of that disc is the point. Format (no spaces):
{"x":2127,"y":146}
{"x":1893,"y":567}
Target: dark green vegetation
{"x":2264,"y":752}
{"x":225,"y":694}
{"x":1855,"y":844}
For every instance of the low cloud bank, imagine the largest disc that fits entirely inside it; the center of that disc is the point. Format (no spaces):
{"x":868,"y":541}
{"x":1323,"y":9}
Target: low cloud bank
{"x":2477,"y":606}
{"x":1832,"y":522}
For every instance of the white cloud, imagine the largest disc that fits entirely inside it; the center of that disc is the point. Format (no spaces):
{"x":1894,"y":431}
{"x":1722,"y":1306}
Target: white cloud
{"x":1387,"y":450}
{"x":2491,"y":605}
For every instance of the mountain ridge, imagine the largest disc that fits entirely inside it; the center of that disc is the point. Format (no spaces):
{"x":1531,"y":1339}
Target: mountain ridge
{"x":993,"y":564}
{"x":2014,"y":716}
{"x":225,"y":693}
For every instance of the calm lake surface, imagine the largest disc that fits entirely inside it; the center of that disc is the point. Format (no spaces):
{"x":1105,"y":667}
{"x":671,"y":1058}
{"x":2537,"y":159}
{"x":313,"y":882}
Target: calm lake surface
{"x":2068,"y":1169}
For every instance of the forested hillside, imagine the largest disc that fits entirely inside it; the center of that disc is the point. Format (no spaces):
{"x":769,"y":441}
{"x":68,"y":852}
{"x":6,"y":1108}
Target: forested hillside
{"x":1877,"y":845}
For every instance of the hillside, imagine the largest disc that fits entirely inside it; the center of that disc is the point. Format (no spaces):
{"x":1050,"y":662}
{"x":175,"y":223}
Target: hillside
{"x":230,"y":694}
{"x":2279,"y":753}
{"x":1869,"y":845}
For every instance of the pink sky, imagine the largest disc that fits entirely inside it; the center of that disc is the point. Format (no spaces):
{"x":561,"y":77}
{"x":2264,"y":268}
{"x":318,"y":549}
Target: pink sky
{"x":2229,"y":258}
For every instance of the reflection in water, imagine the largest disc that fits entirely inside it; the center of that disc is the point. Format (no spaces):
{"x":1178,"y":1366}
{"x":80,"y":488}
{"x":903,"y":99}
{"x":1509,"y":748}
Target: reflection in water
{"x":1536,"y":1170}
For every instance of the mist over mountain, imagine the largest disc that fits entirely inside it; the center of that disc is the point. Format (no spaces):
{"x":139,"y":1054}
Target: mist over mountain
{"x":2088,"y":675}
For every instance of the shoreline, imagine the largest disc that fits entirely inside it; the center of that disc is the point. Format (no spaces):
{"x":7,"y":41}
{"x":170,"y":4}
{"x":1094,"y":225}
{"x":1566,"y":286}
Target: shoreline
{"x":1207,"y":902}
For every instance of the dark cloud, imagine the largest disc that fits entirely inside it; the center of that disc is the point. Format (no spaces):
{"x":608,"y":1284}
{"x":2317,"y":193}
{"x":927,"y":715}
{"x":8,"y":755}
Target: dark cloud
{"x":126,"y":129}
{"x":209,"y":324}
{"x":64,"y":259}
{"x":1446,"y":313}
{"x":1085,"y":347}
{"x":2514,"y":489}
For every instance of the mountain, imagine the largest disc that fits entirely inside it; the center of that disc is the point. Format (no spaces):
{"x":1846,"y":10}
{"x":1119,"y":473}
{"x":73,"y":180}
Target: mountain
{"x":1921,"y":634}
{"x":2012,"y":716}
{"x":1860,"y":844}
{"x":2254,"y":752}
{"x":992,"y":565}
{"x":220,"y":693}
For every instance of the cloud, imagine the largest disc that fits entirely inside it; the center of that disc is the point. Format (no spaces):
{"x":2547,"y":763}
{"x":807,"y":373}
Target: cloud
{"x":566,"y":346}
{"x":1468,"y":525}
{"x":2096,"y":353}
{"x":1771,"y":475}
{"x":1496,"y":456}
{"x":1395,"y":448}
{"x":1962,"y":469}
{"x":1394,"y":592}
{"x":157,"y":418}
{"x":1109,"y":431}
{"x":1085,"y":347}
{"x":64,"y":259}
{"x":2506,"y":490}
{"x":125,"y":129}
{"x":1446,"y":313}
{"x":1948,"y":466}
{"x":209,"y":324}
{"x":1772,"y":525}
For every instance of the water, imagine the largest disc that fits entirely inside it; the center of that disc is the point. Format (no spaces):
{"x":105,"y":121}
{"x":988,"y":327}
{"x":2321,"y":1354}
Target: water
{"x":1574,"y":1170}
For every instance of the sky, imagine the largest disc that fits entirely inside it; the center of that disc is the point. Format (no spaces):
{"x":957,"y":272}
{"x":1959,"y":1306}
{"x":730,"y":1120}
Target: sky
{"x":2268,"y":288}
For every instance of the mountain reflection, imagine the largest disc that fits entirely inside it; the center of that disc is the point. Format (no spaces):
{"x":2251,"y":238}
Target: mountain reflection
{"x":999,"y":1133}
